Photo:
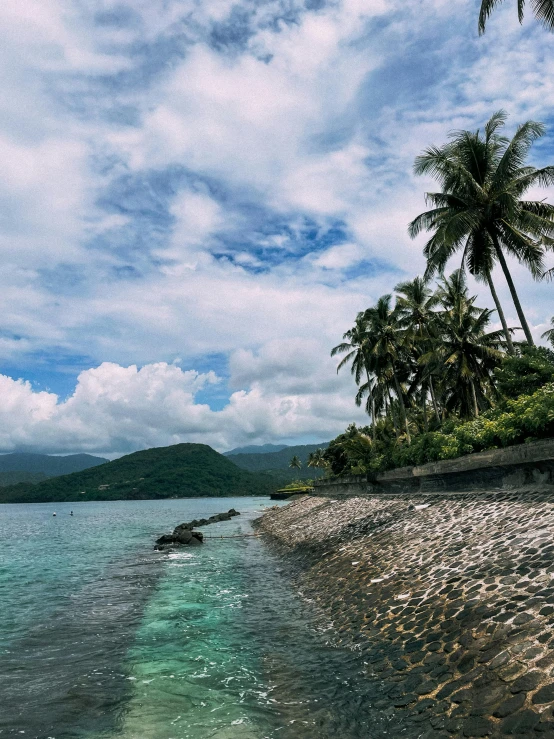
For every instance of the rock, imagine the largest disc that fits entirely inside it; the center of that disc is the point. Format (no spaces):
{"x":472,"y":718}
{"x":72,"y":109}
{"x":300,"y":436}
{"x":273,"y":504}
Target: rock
{"x":520,"y":724}
{"x":183,"y":536}
{"x":507,"y":707}
{"x":527,"y":682}
{"x":476,"y":726}
{"x":544,"y":695}
{"x":165,"y":539}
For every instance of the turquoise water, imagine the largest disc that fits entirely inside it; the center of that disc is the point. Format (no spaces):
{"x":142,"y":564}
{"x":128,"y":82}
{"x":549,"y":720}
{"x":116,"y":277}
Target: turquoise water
{"x":102,"y":637}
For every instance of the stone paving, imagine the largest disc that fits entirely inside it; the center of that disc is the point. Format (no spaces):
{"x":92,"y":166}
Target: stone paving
{"x":449,"y":598}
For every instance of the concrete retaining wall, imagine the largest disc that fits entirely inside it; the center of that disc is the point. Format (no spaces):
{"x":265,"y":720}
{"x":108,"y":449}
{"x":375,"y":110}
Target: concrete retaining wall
{"x":512,"y":467}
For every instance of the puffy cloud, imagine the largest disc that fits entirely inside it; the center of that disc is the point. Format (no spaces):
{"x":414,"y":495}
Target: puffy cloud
{"x":117,"y":409}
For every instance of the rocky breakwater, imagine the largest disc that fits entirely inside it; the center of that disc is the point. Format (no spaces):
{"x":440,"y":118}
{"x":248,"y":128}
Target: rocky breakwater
{"x":448,"y":598}
{"x":184,"y":534}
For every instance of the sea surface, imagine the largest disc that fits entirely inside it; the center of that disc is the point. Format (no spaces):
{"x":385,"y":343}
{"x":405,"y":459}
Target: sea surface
{"x":102,"y":637}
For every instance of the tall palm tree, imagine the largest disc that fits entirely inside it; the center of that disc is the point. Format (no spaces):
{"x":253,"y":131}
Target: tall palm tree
{"x":295,"y":462}
{"x":355,"y":345}
{"x":387,"y":350}
{"x":466,"y":353}
{"x":543,"y":9}
{"x":415,"y":303}
{"x":479,"y":210}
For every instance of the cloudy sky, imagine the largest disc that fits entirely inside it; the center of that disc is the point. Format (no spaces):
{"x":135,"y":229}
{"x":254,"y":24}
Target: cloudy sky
{"x":198,"y":196}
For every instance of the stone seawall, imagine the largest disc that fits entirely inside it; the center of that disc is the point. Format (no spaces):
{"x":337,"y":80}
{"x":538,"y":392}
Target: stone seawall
{"x":448,"y":598}
{"x":512,"y":467}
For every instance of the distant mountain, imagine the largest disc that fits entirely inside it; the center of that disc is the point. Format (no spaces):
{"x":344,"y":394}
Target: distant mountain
{"x":179,"y":471}
{"x":276,"y":464}
{"x":253,"y":449}
{"x":46,"y":464}
{"x":10,"y":477}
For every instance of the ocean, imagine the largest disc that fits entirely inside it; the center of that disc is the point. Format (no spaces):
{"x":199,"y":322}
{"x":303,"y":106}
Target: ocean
{"x":102,"y":637}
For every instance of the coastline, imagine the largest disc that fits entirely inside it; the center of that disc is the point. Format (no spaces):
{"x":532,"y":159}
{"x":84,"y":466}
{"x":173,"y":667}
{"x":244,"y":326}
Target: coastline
{"x":448,"y":597}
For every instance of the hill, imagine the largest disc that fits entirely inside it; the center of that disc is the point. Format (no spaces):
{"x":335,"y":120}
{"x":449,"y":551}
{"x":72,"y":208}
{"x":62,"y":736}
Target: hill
{"x":46,"y":464}
{"x":255,"y":449}
{"x":179,"y":471}
{"x":276,"y":464}
{"x":13,"y":477}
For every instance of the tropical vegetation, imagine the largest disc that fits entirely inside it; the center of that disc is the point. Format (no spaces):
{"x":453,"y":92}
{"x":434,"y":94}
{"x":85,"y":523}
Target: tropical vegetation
{"x":435,"y":376}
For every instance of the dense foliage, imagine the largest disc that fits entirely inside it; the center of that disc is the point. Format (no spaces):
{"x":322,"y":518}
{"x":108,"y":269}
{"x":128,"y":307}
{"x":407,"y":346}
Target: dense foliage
{"x":524,"y":412}
{"x":179,"y":471}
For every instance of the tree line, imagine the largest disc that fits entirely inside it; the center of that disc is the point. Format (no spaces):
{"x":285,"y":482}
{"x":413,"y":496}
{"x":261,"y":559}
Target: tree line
{"x":429,"y":354}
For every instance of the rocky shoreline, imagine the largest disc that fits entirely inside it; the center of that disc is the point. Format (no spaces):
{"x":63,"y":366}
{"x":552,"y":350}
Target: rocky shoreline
{"x":449,"y":598}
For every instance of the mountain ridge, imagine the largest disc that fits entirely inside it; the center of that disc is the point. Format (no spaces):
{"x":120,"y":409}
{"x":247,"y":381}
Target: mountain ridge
{"x":178,"y":471}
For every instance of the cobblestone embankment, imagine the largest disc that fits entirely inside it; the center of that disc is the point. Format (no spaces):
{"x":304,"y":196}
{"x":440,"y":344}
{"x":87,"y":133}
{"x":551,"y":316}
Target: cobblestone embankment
{"x":450,"y":599}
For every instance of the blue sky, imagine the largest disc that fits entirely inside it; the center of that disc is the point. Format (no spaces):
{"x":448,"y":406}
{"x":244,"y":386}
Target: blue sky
{"x":198,"y":197}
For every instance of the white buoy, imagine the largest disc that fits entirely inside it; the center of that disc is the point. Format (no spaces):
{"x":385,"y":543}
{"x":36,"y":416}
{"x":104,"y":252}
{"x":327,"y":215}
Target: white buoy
{"x":53,"y":514}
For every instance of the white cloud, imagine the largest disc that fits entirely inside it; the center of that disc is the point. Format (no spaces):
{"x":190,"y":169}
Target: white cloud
{"x":117,"y":409}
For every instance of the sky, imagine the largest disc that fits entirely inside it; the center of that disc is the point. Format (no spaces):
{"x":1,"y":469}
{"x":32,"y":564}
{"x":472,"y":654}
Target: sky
{"x":197,"y":198}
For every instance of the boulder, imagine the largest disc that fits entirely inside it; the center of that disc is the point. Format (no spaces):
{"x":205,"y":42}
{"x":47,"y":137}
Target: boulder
{"x":183,"y":536}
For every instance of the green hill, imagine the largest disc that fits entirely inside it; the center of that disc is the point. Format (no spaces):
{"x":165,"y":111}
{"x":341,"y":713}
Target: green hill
{"x":179,"y":471}
{"x":276,"y":464}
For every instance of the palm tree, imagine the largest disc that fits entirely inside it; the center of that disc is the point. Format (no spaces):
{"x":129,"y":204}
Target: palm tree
{"x":466,"y":353}
{"x":355,"y":346}
{"x":295,"y":462}
{"x":386,"y":349}
{"x":549,"y":335}
{"x":415,"y":303}
{"x":317,"y":459}
{"x":479,"y":209}
{"x":543,"y":9}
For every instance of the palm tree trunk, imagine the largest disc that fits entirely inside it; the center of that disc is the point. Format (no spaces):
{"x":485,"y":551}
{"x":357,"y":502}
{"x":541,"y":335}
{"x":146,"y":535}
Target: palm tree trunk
{"x":388,"y":406}
{"x":435,"y":406}
{"x":402,"y":407}
{"x":508,"y":276}
{"x":373,"y":429}
{"x":500,"y":314}
{"x":474,"y":398}
{"x":425,"y":422}
{"x":370,"y":391}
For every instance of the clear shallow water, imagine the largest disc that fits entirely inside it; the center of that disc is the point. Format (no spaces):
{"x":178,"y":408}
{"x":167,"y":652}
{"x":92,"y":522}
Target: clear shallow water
{"x":102,"y":637}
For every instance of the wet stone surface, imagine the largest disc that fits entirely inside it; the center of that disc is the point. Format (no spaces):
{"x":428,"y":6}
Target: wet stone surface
{"x":449,"y":598}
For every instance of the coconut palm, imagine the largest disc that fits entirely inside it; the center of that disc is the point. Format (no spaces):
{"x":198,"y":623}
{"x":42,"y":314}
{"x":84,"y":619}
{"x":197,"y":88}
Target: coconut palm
{"x":355,"y":346}
{"x":549,"y":335}
{"x":543,"y":9}
{"x":317,"y":459}
{"x":415,"y":304}
{"x":386,"y":350}
{"x":466,"y":353}
{"x":479,"y":210}
{"x":295,"y":462}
